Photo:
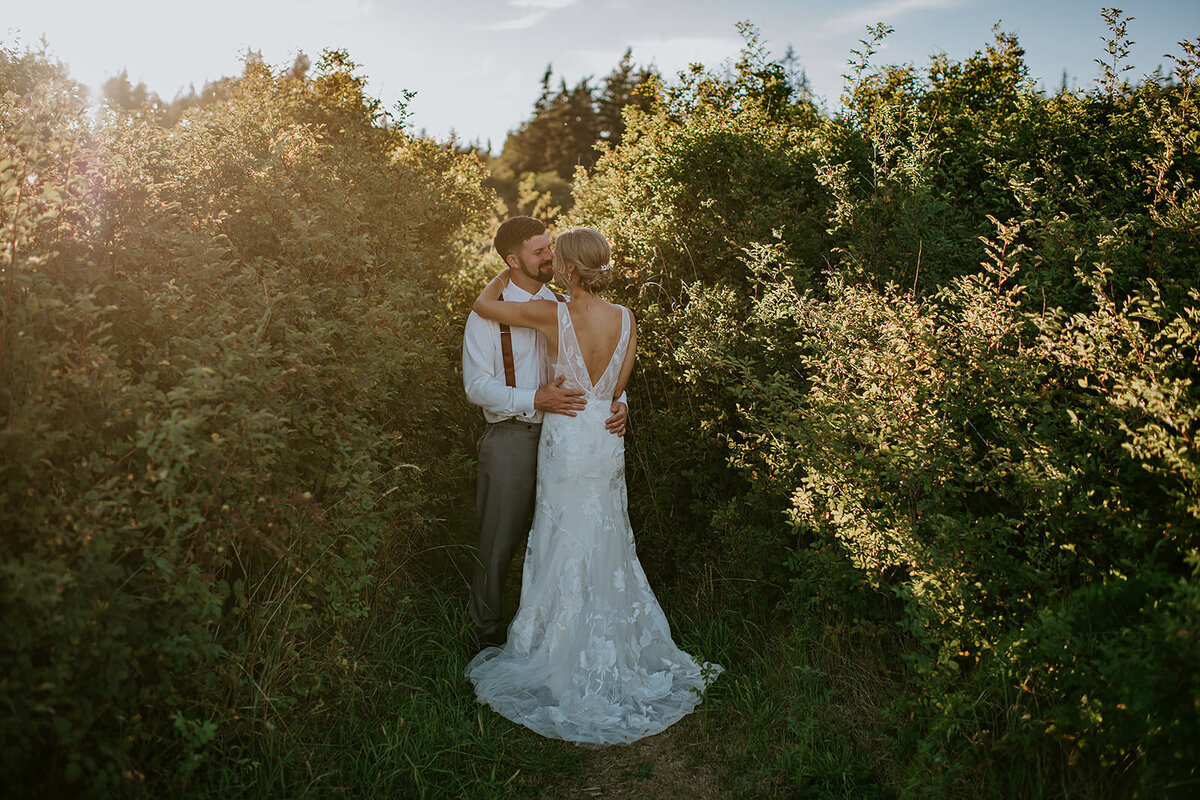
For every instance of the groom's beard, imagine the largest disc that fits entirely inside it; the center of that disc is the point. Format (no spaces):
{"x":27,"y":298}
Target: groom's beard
{"x":542,"y":273}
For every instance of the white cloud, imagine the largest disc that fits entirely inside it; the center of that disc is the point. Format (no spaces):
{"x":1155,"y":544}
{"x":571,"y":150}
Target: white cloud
{"x":549,"y":5}
{"x":337,"y":10}
{"x":542,"y":8}
{"x":887,"y":11}
{"x":518,"y":24}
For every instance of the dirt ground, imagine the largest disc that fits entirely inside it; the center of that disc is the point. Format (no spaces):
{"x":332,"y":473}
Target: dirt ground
{"x":671,"y":765}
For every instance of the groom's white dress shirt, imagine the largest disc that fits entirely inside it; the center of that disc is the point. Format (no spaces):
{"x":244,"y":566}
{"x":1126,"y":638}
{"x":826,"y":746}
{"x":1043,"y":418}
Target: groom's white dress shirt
{"x":483,"y":364}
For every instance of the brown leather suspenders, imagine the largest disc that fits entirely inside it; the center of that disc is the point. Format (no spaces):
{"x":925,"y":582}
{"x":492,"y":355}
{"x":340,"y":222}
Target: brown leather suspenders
{"x":510,"y":370}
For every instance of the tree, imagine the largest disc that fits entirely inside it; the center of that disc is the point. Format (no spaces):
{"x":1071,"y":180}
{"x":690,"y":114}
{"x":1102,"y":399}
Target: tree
{"x":118,"y":92}
{"x":564,"y":130}
{"x":625,"y":86}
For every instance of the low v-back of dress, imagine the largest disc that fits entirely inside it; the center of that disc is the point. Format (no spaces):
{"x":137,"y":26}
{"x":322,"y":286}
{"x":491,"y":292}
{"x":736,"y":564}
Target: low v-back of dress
{"x":571,"y":364}
{"x":589,"y":656}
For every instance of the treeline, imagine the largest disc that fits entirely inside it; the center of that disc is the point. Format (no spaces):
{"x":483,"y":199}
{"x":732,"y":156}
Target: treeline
{"x":571,"y":125}
{"x":121,"y":94}
{"x":533,"y":172}
{"x":228,"y":412}
{"x":924,"y":372}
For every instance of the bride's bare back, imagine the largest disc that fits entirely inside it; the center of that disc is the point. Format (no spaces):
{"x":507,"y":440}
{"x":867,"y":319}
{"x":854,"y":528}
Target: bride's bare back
{"x":597,"y":325}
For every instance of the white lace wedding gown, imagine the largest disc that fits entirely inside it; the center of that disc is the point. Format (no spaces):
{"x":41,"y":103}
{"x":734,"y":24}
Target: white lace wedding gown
{"x":589,"y":656}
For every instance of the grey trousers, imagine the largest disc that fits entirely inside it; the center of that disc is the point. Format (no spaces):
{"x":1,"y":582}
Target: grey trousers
{"x":504,"y":495}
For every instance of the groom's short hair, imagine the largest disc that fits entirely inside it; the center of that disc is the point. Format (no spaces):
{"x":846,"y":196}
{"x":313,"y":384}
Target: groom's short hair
{"x":514,"y":232}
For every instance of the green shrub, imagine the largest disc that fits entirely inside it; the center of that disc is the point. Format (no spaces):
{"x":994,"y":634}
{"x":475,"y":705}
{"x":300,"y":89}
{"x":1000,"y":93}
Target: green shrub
{"x":226,"y":409}
{"x":839,"y":407}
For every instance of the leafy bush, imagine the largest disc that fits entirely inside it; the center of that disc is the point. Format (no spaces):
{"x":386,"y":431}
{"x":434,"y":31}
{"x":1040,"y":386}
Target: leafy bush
{"x":968,"y":410}
{"x":995,"y":478}
{"x":227,"y":407}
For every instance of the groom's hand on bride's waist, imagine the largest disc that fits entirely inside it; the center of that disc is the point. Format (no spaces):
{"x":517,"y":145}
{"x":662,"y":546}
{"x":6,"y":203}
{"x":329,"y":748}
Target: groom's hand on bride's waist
{"x":616,"y":423}
{"x":554,"y":399}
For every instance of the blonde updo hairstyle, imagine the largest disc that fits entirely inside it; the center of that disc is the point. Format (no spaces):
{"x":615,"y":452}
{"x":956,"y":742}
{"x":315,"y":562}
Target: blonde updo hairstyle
{"x":586,"y":251}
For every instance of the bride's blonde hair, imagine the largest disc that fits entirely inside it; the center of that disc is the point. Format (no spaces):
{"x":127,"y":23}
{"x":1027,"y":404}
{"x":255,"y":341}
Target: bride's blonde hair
{"x":587,"y":252}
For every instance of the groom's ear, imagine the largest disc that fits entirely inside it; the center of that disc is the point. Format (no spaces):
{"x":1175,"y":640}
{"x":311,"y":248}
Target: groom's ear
{"x":510,"y":261}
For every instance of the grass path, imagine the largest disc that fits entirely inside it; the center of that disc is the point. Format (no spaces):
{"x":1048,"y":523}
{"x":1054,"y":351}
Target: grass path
{"x":806,"y":708}
{"x":795,"y":714}
{"x":669,"y":765}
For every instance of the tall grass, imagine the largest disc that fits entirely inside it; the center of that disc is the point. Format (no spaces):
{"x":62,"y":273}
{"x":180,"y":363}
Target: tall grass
{"x":404,"y":723}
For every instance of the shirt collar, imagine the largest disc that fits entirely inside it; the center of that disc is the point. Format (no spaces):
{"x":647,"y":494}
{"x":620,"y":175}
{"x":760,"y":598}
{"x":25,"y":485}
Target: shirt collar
{"x":516,"y":294}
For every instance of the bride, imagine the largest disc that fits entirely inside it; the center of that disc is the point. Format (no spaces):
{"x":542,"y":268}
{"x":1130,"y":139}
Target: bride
{"x":589,"y":656}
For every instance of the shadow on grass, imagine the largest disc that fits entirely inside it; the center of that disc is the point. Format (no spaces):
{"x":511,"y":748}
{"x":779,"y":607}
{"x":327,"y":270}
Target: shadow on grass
{"x":406,"y":725}
{"x":795,"y":714}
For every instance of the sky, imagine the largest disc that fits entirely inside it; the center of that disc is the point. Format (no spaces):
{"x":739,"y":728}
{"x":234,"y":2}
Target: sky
{"x":476,"y":65}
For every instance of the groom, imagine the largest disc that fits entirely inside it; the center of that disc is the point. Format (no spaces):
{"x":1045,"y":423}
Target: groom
{"x":505,"y":372}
